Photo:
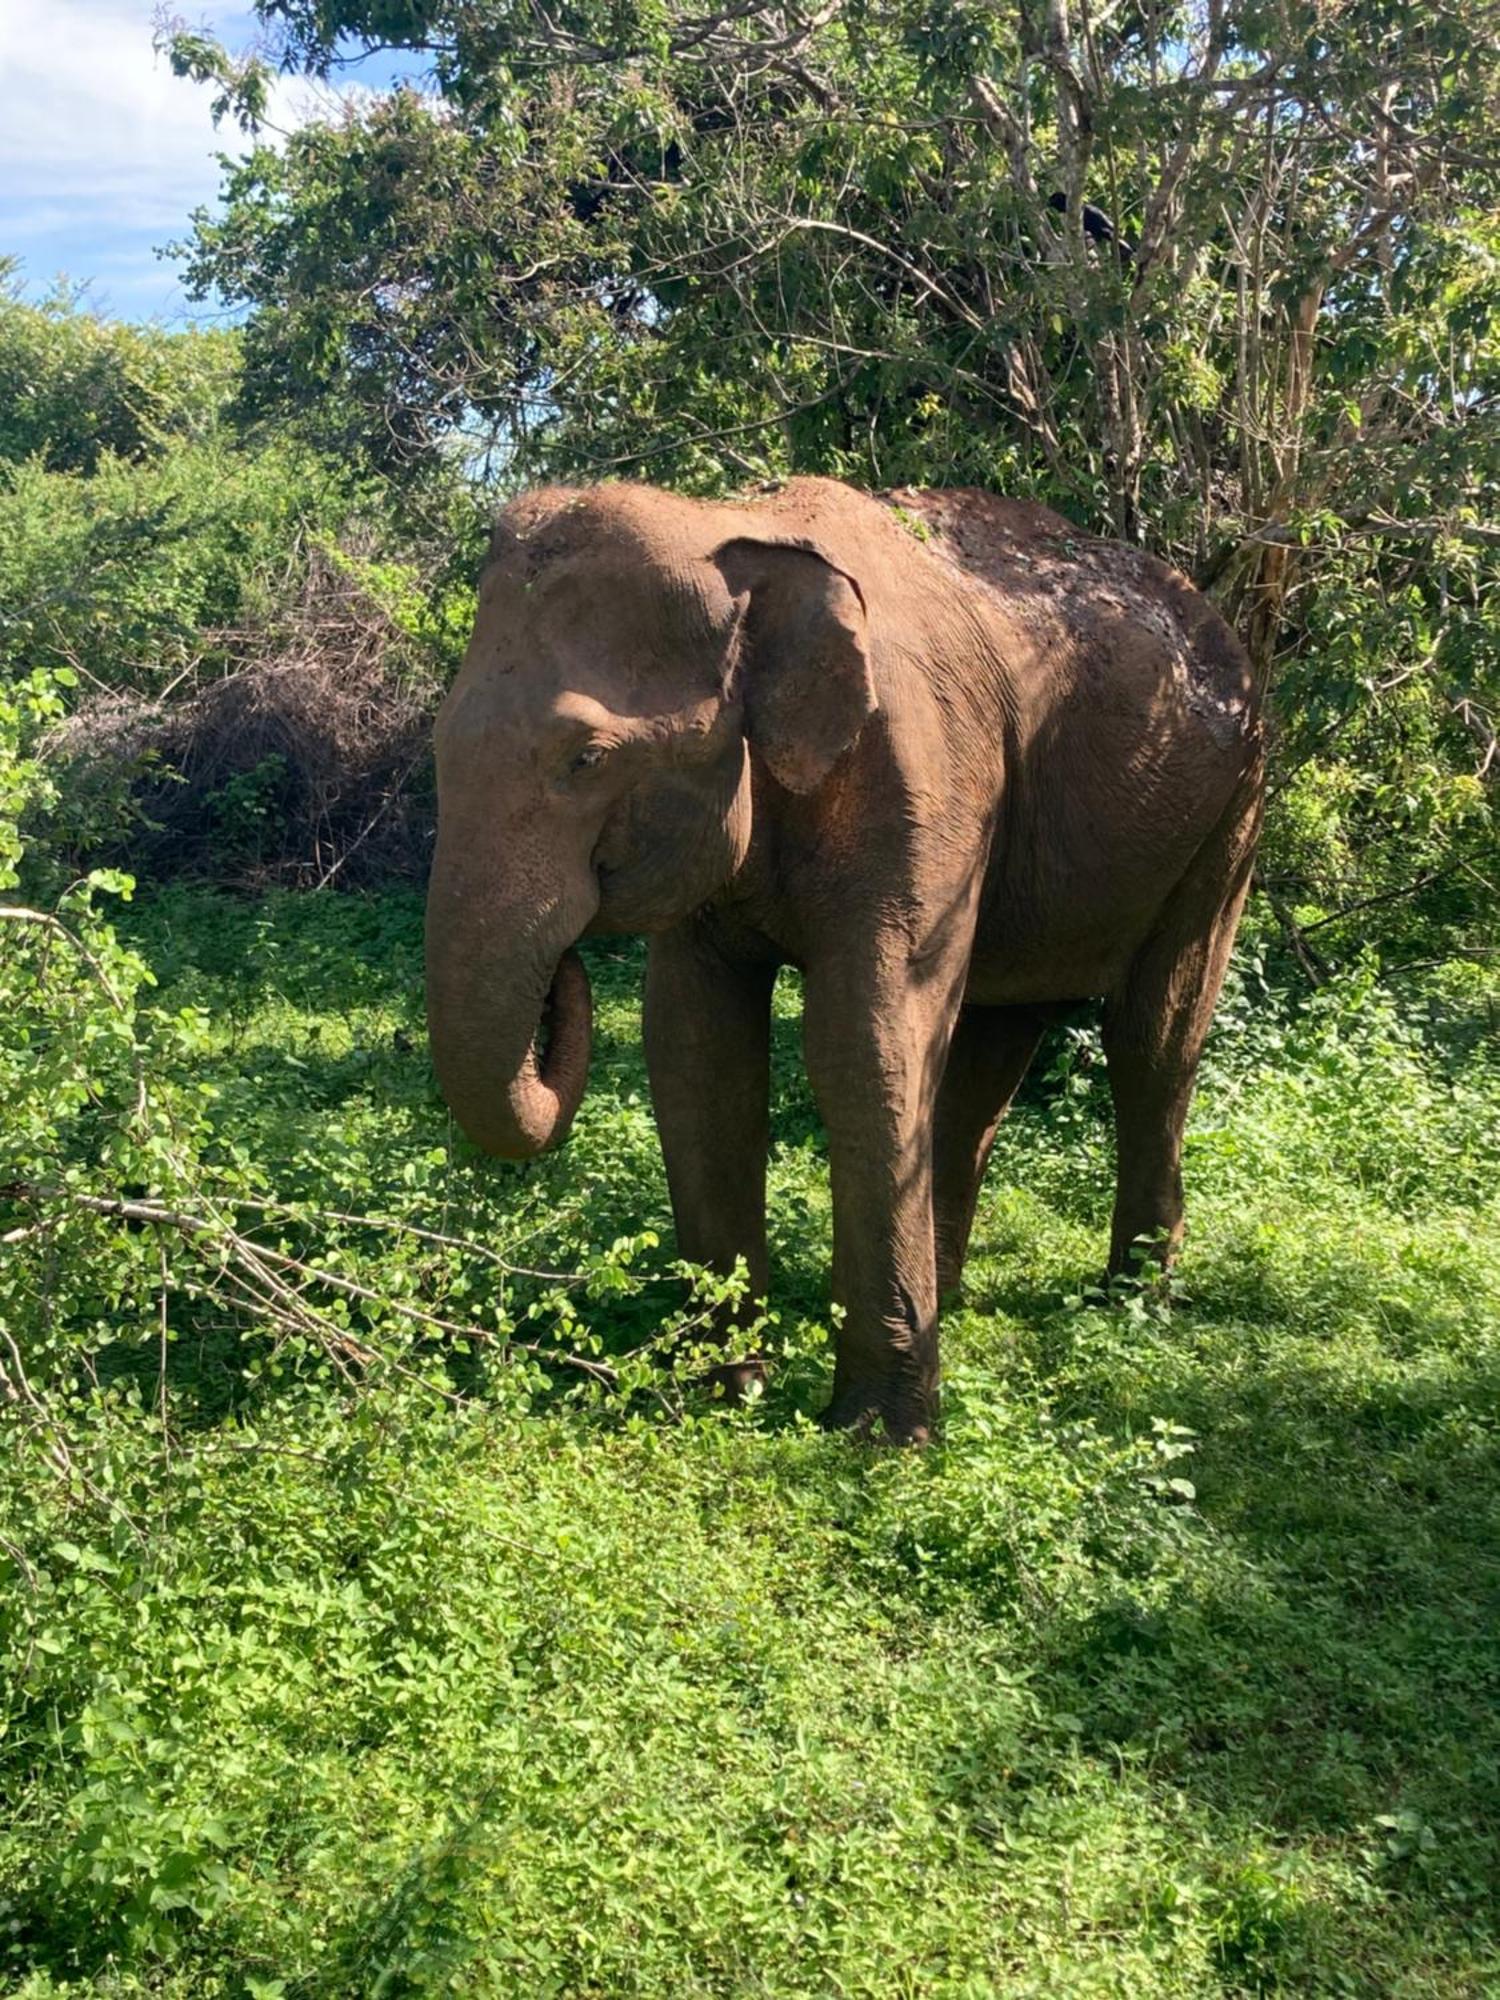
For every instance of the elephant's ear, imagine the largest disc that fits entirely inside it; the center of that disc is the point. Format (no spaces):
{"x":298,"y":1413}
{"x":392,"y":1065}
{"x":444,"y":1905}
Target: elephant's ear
{"x":804,"y":662}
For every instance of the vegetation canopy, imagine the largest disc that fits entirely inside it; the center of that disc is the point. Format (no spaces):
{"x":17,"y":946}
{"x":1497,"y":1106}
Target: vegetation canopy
{"x":1223,"y":279}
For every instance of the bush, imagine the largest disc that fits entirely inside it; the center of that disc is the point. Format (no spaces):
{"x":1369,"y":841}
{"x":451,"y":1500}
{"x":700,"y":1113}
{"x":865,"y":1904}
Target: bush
{"x":254,"y":680}
{"x":75,"y":389}
{"x":304,"y":755}
{"x":256,"y":637}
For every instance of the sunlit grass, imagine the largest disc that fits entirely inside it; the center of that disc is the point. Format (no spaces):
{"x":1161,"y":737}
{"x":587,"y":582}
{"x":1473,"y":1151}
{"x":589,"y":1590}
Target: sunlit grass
{"x":1171,"y":1670}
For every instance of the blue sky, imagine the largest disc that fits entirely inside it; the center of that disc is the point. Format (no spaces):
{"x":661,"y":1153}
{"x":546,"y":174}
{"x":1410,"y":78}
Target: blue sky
{"x":104,"y":153}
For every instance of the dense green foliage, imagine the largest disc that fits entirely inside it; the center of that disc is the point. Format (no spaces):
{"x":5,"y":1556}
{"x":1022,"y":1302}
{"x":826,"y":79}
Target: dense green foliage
{"x":715,"y":243}
{"x":1226,"y":279}
{"x":1170,"y":1671}
{"x":137,"y":522}
{"x":255,"y":632}
{"x":75,"y":389}
{"x":126,"y":575}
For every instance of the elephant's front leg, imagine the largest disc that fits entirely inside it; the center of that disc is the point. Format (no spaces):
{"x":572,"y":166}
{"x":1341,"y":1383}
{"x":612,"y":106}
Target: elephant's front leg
{"x":708,"y":1052}
{"x":876,"y":1041}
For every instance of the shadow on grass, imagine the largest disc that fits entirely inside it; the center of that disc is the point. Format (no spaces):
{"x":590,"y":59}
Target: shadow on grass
{"x":1327,"y":1668}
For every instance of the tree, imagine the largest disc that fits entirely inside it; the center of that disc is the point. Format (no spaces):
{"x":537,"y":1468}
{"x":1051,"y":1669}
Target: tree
{"x":1223,"y":278}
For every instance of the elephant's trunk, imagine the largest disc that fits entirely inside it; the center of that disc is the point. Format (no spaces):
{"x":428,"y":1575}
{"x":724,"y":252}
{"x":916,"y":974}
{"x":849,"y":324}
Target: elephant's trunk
{"x":511,"y":1051}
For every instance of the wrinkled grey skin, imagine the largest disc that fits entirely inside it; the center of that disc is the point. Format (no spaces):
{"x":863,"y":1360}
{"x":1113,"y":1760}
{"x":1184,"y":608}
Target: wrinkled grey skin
{"x":959,"y":762}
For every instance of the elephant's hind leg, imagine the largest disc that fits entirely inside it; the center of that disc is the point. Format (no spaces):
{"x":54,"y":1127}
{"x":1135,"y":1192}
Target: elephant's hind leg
{"x":991,"y":1050}
{"x":1155,"y":1025}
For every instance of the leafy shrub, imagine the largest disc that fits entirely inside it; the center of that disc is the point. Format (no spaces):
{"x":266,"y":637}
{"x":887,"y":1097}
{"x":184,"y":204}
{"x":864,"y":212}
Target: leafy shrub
{"x":76,"y":390}
{"x":305,"y":757}
{"x":223,"y":602}
{"x":213,"y":622}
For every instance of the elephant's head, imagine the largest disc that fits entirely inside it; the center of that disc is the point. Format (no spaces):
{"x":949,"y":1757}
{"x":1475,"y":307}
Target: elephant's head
{"x":632,"y":654}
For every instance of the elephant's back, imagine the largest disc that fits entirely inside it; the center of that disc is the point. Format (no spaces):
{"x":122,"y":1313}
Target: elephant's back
{"x":1135,"y":725}
{"x":1108,"y":616}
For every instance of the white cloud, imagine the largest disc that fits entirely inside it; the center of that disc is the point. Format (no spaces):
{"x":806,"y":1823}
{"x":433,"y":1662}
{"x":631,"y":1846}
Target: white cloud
{"x":89,"y":111}
{"x":103,"y":152}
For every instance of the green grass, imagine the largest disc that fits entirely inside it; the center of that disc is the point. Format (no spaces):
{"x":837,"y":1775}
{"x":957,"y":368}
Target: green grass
{"x":1174,"y":1669}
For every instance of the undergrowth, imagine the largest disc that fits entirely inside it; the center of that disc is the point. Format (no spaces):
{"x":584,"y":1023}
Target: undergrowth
{"x":1170,"y":1670}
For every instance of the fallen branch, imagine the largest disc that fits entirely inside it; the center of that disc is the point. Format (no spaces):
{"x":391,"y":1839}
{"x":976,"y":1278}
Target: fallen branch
{"x":266,"y":1276}
{"x":423,"y":1235}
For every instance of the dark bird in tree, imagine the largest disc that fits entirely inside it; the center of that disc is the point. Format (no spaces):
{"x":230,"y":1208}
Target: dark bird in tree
{"x":1096,"y":225}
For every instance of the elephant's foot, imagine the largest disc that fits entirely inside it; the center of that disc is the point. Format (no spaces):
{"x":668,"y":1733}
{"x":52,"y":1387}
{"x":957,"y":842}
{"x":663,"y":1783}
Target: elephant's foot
{"x":856,"y":1412}
{"x":1144,"y":1265}
{"x":738,"y":1382}
{"x":1146,"y":1254}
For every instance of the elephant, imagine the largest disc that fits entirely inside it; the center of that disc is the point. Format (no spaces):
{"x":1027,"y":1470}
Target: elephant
{"x":962,"y":763}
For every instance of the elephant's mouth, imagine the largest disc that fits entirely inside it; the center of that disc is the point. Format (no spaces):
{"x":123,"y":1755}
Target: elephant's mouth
{"x":624,"y":901}
{"x":604,"y":880}
{"x":560,"y":1046}
{"x":544,"y":1043}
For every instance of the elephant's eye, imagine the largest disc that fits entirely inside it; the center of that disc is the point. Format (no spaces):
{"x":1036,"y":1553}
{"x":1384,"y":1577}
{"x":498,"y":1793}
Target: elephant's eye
{"x":590,"y":756}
